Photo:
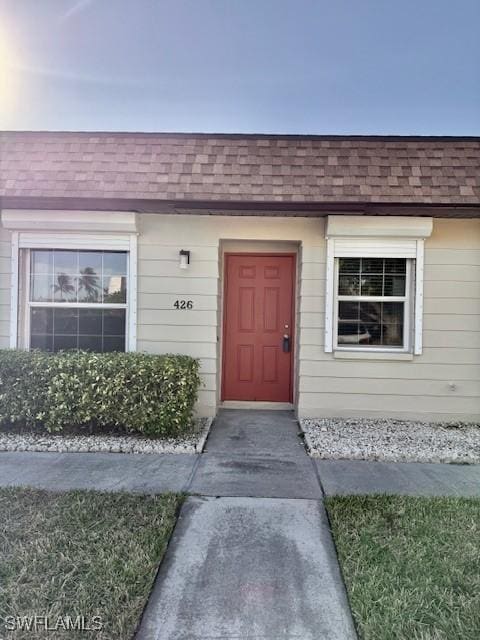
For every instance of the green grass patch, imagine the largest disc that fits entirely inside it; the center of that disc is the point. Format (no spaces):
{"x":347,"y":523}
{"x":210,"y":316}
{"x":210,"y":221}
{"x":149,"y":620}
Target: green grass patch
{"x":80,"y":553}
{"x":411,"y":565}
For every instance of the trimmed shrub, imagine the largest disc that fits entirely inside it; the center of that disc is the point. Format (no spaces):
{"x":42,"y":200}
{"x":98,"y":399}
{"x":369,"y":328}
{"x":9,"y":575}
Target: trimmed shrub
{"x":148,"y":394}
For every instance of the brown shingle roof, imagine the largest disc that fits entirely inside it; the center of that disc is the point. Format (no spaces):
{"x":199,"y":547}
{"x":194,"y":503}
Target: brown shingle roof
{"x":240,"y":168}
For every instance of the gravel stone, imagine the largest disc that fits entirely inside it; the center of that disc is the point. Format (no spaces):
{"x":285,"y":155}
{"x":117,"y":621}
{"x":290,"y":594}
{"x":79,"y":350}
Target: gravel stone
{"x":193,"y":443}
{"x":391,"y":440}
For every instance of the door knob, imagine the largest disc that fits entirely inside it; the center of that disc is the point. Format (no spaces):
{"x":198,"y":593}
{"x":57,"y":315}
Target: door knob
{"x":286,"y":343}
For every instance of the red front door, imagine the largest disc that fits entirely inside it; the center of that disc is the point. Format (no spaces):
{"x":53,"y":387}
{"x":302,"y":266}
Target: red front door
{"x":258,"y":314}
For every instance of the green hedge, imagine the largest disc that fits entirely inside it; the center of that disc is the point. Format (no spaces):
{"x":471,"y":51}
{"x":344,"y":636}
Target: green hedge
{"x":148,"y":394}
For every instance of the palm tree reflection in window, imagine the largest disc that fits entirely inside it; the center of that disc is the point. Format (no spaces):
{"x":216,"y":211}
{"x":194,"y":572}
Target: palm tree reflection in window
{"x":90,"y":283}
{"x":63,"y":288}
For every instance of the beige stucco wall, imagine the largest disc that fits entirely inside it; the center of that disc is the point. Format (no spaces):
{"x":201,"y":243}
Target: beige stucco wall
{"x":324,"y":385}
{"x":419,"y":388}
{"x":160,"y":327}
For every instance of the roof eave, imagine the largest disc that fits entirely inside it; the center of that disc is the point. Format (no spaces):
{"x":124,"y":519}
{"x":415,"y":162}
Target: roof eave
{"x":242,"y":207}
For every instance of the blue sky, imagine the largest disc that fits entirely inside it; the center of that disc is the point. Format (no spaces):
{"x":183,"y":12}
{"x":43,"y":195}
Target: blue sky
{"x":280,"y":66}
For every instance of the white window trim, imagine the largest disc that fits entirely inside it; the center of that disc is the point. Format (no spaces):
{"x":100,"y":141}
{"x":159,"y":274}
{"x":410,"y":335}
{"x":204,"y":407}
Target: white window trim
{"x":79,"y":241}
{"x":131,"y":342}
{"x":14,"y":292}
{"x":329,"y":295}
{"x":80,"y":221}
{"x":383,"y":237}
{"x":407,"y":315}
{"x":418,"y":299}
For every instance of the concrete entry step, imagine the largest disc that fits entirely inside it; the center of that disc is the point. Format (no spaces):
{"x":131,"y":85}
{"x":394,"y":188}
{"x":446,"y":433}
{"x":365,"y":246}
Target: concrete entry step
{"x":257,"y":405}
{"x":255,"y":433}
{"x":249,"y":568}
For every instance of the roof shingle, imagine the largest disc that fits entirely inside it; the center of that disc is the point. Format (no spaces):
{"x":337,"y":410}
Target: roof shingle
{"x":247,"y":168}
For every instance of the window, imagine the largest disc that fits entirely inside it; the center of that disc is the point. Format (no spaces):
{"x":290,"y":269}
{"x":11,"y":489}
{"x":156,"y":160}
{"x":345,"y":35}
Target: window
{"x":372,"y":303}
{"x":374,"y":284}
{"x":77,"y":299}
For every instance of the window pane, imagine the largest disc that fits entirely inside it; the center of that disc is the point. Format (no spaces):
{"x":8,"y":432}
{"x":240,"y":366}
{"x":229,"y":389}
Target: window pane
{"x":41,"y":321}
{"x":395,"y":265}
{"x":371,"y":323}
{"x":115,"y":290}
{"x":41,"y":261}
{"x":85,"y":279}
{"x":41,"y":288}
{"x":71,"y":328}
{"x":351,"y":329}
{"x":352,"y":333}
{"x":115,"y":263}
{"x":349,"y":310}
{"x":349,"y":265}
{"x":392,"y":324}
{"x":113,"y":343}
{"x":394,"y":285}
{"x":370,"y":317}
{"x":371,"y":314}
{"x":65,"y":262}
{"x":64,"y":288}
{"x":65,"y":321}
{"x":78,"y":276}
{"x":89,"y":285}
{"x":61,"y":343}
{"x":114,"y":322}
{"x":90,"y":322}
{"x":42,"y":342}
{"x":371,"y":285}
{"x":348,"y":285}
{"x":90,"y":343}
{"x":376,"y":277}
{"x":372,"y":265}
{"x":91,"y":260}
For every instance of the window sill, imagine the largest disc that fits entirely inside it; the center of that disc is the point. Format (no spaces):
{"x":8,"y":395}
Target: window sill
{"x":372,"y":355}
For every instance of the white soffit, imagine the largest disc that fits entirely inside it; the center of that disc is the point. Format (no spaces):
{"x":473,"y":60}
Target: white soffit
{"x":379,"y":226}
{"x":69,"y":221}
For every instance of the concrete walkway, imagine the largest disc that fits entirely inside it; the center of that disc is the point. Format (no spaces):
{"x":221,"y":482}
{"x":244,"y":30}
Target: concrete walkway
{"x":347,"y":477}
{"x":143,"y":473}
{"x":248,"y":454}
{"x":249,"y":568}
{"x":256,"y":454}
{"x":259,"y":565}
{"x":253,"y":557}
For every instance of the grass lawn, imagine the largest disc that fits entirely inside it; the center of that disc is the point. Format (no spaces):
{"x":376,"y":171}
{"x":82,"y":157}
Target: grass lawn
{"x":80,"y":553}
{"x":411,"y":565}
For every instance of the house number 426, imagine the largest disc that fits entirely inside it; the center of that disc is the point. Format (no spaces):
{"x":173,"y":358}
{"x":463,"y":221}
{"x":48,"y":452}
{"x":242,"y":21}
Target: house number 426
{"x":183,"y":304}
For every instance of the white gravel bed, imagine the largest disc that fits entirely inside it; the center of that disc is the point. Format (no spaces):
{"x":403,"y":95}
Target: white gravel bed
{"x":391,"y":440}
{"x":194,"y":443}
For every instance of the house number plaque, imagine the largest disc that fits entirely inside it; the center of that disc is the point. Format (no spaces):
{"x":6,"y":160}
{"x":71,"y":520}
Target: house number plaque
{"x":183,"y":304}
